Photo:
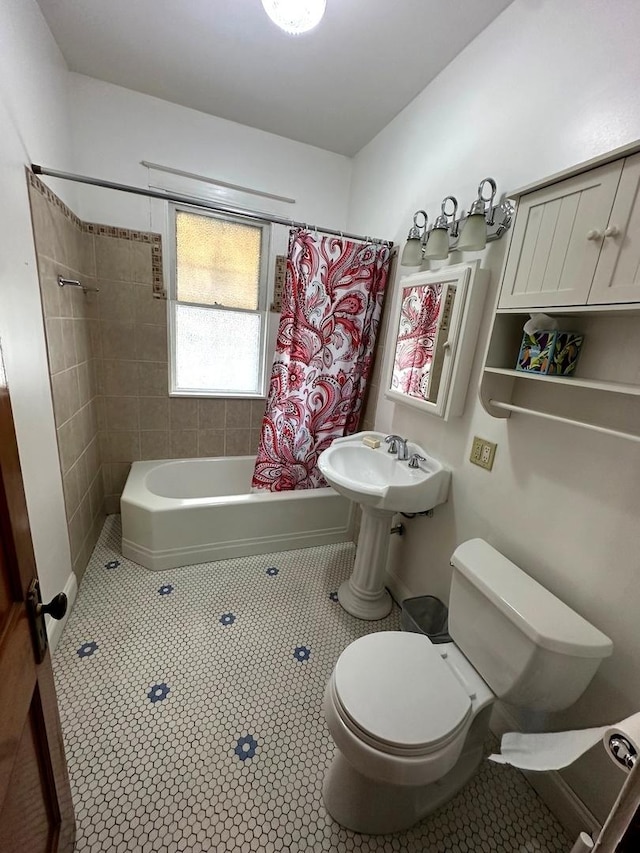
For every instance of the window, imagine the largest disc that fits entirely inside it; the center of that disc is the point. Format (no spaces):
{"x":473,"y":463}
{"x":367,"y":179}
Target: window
{"x":218,"y":304}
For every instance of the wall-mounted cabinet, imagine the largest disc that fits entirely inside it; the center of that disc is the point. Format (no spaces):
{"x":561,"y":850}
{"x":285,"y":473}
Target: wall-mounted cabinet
{"x":435,"y":322}
{"x":578,"y":241}
{"x":574,"y":254}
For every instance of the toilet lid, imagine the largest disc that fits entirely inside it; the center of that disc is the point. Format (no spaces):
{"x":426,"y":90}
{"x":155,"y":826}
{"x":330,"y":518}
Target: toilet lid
{"x":396,"y":688}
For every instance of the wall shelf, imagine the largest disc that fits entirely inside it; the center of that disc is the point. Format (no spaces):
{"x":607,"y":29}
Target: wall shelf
{"x":570,"y":381}
{"x":631,"y":309}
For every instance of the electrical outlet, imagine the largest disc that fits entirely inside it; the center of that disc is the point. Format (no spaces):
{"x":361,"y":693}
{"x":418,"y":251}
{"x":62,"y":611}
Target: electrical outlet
{"x":476,"y":450}
{"x":482,"y":453}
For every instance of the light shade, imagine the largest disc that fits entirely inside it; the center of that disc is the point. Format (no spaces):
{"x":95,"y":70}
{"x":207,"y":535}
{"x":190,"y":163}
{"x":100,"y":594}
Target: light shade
{"x":412,"y":253}
{"x":474,"y":233}
{"x":437,"y":245}
{"x":295,"y":16}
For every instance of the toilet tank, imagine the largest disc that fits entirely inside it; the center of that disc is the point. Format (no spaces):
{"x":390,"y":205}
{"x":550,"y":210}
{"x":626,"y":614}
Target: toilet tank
{"x":532,"y":649}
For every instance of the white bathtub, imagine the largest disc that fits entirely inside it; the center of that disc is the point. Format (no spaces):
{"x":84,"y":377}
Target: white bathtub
{"x":185,"y":511}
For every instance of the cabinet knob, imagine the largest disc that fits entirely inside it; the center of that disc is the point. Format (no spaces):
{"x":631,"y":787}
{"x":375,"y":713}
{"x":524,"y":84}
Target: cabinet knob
{"x":612,"y":231}
{"x":594,"y":234}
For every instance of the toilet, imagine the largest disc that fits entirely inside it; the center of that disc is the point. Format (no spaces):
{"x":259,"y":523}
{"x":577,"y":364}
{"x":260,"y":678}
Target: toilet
{"x":409,"y":718}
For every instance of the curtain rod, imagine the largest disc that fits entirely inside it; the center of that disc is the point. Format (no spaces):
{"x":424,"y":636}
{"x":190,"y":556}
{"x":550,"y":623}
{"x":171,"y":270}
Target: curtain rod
{"x":203,"y":203}
{"x":203,"y":179}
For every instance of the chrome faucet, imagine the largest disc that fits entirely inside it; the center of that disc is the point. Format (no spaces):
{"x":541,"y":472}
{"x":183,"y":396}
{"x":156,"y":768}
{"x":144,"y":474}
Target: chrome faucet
{"x":398,"y":445}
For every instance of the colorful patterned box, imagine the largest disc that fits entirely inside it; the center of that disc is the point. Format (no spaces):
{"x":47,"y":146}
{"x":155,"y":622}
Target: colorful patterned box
{"x":550,"y":352}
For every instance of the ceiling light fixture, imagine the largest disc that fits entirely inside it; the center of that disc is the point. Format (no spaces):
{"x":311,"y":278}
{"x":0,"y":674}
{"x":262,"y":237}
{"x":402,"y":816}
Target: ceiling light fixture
{"x":295,"y":16}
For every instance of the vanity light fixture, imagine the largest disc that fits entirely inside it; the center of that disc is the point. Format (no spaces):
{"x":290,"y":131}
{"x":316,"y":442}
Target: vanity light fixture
{"x":414,"y":247}
{"x":295,"y":16}
{"x":471,"y":232}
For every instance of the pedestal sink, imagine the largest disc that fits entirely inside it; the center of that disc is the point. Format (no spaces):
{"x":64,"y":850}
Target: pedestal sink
{"x":382,"y":485}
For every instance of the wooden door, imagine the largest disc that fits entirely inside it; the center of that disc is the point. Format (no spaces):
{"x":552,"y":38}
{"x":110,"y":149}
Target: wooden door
{"x":557,"y":237}
{"x":617,"y":276}
{"x":36,"y":812}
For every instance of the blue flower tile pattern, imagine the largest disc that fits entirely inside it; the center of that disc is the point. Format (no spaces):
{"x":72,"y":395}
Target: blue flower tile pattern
{"x":246,"y":747}
{"x":232,"y":759}
{"x":333,"y":596}
{"x":87,"y":649}
{"x":302,"y":653}
{"x":227,"y":619}
{"x":272,"y":571}
{"x":158,"y":692}
{"x":167,"y":589}
{"x":112,"y":564}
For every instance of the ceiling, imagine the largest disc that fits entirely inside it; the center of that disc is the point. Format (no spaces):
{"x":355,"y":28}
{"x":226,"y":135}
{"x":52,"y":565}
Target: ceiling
{"x":335,"y":87}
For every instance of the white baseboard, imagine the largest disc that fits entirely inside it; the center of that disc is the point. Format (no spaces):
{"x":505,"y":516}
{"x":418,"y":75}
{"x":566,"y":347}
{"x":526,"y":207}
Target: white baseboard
{"x":397,"y":588}
{"x":550,"y":786}
{"x":56,"y":627}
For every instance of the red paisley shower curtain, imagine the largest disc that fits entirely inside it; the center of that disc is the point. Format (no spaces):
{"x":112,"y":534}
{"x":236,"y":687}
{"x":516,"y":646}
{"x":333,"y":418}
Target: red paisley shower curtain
{"x":331,"y":309}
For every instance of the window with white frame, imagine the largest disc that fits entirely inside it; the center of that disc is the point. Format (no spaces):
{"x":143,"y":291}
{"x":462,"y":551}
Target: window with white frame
{"x":218,"y":304}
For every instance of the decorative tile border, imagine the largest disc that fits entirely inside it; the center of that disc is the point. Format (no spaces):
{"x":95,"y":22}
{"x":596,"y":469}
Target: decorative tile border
{"x":52,"y":198}
{"x":99,"y":230}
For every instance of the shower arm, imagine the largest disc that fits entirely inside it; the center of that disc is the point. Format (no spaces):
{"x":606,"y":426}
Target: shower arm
{"x":72,"y":282}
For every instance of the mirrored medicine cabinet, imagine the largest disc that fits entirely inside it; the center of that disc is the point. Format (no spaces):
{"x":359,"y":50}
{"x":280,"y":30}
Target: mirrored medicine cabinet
{"x":433,"y":333}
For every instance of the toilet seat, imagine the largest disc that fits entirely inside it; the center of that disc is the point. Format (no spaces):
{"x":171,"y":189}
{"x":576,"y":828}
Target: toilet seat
{"x":394,"y":691}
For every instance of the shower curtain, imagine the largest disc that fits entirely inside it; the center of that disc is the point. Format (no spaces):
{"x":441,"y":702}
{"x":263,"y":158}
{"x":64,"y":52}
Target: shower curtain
{"x":331,"y":309}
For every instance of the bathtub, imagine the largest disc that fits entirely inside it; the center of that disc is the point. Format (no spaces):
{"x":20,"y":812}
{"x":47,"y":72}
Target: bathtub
{"x":185,"y":511}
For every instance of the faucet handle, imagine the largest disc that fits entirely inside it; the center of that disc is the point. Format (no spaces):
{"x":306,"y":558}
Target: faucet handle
{"x":392,"y":441}
{"x":415,"y":460}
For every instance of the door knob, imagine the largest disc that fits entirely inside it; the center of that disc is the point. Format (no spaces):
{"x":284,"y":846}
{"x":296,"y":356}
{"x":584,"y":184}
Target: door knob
{"x":56,"y":608}
{"x":594,"y":234}
{"x":612,"y":231}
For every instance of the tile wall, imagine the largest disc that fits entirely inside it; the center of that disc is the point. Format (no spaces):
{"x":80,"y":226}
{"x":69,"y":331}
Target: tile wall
{"x":124,"y":339}
{"x":138,"y":420}
{"x":64,"y":247}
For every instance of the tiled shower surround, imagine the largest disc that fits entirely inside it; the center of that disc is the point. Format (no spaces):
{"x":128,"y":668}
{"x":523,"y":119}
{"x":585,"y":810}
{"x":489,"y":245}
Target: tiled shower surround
{"x":64,"y":248}
{"x":191,"y":705}
{"x":108,"y":361}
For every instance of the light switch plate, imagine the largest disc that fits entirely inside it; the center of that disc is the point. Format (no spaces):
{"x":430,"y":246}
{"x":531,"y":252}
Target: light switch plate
{"x":482,"y":452}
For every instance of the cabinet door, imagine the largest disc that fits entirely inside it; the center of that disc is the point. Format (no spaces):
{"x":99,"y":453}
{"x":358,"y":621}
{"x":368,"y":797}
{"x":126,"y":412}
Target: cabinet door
{"x":557,"y":240}
{"x":617,"y":277}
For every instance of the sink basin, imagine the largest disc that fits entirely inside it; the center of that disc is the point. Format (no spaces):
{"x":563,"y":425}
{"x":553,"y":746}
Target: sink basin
{"x":377,"y":479}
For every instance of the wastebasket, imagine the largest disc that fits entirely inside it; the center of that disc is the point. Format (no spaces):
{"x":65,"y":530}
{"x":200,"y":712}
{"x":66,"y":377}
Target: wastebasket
{"x":426,"y":614}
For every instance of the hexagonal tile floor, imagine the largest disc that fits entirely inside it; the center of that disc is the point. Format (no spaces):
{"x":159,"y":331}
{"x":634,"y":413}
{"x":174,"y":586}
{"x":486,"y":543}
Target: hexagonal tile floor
{"x":191,"y":709}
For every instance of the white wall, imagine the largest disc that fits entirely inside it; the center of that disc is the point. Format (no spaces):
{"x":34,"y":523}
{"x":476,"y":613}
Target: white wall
{"x":548,"y":84}
{"x":34,"y":126}
{"x":115,"y":128}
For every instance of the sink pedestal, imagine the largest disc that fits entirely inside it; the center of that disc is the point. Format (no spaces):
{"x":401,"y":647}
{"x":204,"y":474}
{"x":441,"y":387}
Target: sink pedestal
{"x":364,"y":594}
